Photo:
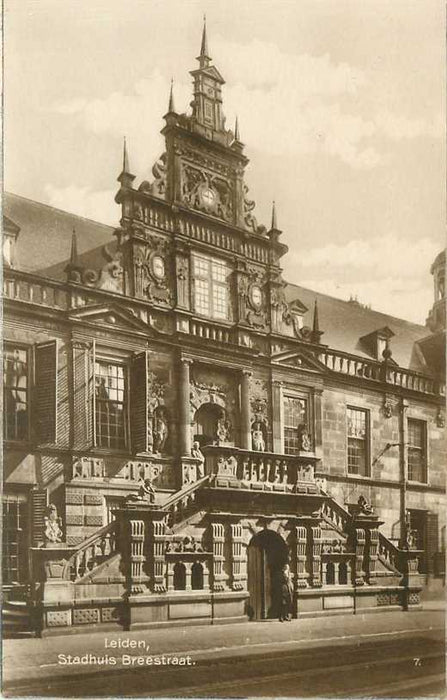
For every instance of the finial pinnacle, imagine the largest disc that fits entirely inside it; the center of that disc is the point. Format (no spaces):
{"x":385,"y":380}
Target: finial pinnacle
{"x":126,"y":167}
{"x":74,"y":248}
{"x":316,"y":324}
{"x":204,"y":52}
{"x":237,"y":135}
{"x":171,"y":107}
{"x":274,"y":220}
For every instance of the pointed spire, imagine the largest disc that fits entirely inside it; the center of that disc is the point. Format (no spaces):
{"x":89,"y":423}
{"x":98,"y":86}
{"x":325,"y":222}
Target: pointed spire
{"x":126,"y":178}
{"x":316,"y":324}
{"x":204,"y":52}
{"x":316,"y":333}
{"x":126,"y":167}
{"x":171,"y":107}
{"x":74,"y":249}
{"x":274,"y":221}
{"x":73,"y":267}
{"x":237,"y":135}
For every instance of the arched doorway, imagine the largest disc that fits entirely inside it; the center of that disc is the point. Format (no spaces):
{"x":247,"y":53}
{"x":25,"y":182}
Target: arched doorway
{"x":205,"y":423}
{"x":267,"y":553}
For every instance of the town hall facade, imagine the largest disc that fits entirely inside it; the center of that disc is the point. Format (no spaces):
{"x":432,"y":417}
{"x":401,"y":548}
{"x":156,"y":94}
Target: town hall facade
{"x":181,"y":423}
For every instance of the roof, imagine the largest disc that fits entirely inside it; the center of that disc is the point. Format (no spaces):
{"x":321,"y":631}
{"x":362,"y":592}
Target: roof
{"x":344,"y":323}
{"x":45,"y":232}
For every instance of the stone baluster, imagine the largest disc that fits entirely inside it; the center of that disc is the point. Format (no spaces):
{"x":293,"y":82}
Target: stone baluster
{"x":359,"y":554}
{"x":188,"y":580}
{"x":170,"y":576}
{"x":336,"y":572}
{"x":316,"y":556}
{"x":218,"y":533}
{"x":301,"y":557}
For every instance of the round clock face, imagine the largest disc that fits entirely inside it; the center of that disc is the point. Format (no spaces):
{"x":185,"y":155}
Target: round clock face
{"x":208,"y":196}
{"x":256,"y":296}
{"x":158,"y":266}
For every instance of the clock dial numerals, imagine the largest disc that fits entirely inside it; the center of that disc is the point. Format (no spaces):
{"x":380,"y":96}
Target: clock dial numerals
{"x":208,"y":196}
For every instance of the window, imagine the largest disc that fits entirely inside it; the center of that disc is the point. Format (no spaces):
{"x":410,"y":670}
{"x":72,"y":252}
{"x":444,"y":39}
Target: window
{"x":295,"y":417}
{"x":15,"y":543}
{"x":416,"y":450}
{"x":211,"y":292}
{"x":110,"y":405}
{"x":15,"y":393}
{"x":357,"y":441}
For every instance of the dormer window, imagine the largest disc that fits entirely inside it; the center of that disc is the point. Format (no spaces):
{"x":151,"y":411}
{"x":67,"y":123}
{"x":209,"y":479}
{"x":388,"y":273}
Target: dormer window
{"x":211,"y":287}
{"x":376,"y":342}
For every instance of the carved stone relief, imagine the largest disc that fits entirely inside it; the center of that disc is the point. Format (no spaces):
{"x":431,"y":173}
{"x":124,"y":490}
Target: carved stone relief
{"x":151,"y":270}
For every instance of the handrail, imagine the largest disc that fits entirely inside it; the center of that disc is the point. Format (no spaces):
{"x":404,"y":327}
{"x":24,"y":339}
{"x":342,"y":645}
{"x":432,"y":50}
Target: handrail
{"x":183,"y":492}
{"x":86,"y":555}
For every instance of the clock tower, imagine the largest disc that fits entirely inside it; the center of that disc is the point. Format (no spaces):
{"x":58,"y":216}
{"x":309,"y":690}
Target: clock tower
{"x":205,"y":162}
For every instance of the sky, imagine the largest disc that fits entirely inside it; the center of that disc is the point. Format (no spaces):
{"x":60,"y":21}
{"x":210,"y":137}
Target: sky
{"x":341,"y":106}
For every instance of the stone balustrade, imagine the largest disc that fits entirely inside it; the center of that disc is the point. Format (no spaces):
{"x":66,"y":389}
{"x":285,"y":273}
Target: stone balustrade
{"x":261,"y":470}
{"x":354,"y":366}
{"x":210,"y":331}
{"x":92,"y":552}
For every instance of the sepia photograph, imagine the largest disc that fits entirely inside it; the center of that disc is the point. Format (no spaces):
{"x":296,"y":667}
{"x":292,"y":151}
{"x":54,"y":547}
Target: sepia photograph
{"x":224,"y":321}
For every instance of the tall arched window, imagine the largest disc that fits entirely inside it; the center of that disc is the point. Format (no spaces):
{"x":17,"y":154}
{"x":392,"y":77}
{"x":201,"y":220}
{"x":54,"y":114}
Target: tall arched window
{"x":197,"y":576}
{"x":330,"y":574}
{"x":179,"y":577}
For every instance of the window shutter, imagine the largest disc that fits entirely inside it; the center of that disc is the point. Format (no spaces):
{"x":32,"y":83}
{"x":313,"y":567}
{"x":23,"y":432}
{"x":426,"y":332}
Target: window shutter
{"x":38,"y":507}
{"x":432,"y":542}
{"x":83,"y":407}
{"x":138,"y":406}
{"x":45,"y":392}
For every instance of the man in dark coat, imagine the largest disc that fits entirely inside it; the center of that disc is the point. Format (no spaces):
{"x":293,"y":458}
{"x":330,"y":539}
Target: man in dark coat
{"x":285,"y":594}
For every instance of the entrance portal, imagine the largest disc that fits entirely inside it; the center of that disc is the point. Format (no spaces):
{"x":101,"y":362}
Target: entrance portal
{"x":267,"y":554}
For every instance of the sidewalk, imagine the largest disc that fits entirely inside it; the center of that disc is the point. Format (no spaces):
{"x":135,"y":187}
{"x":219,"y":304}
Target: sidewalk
{"x":38,"y":658}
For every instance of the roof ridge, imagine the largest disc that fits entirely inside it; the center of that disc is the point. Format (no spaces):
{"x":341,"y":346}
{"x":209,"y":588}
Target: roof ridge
{"x":357,"y":307}
{"x":62,"y":211}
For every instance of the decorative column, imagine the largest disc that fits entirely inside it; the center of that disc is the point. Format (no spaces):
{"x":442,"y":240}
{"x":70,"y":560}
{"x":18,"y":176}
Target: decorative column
{"x":237,"y":576}
{"x":137,"y":557}
{"x":301,"y":557}
{"x":218,"y":531}
{"x":373,"y":549}
{"x":403,"y":459}
{"x":184,"y":408}
{"x":245,"y":410}
{"x":158,"y":531}
{"x":277,"y":413}
{"x":188,"y":570}
{"x":359,"y":554}
{"x":316,"y":556}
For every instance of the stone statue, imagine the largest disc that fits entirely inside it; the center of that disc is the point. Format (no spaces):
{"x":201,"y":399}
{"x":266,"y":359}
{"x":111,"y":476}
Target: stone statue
{"x":257,"y":437}
{"x":304,"y":438}
{"x":222,"y":431}
{"x":160,"y":433}
{"x":197,"y":453}
{"x":53,"y":525}
{"x":146,"y":492}
{"x":364,"y":507}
